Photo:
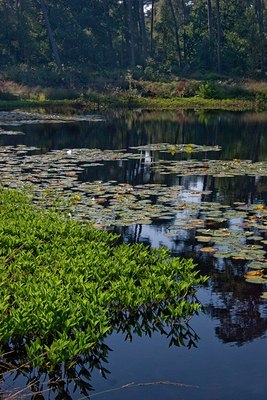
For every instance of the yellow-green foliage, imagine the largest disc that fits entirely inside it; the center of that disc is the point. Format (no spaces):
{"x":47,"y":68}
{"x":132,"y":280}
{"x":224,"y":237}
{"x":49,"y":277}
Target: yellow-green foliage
{"x":64,"y":286}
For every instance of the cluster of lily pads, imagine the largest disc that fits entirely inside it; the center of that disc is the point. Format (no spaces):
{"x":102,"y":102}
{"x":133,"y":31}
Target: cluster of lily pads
{"x":237,"y":232}
{"x":106,"y":203}
{"x":216,"y":168}
{"x":176,"y":148}
{"x":10,"y":133}
{"x":55,"y":175}
{"x":17,"y":117}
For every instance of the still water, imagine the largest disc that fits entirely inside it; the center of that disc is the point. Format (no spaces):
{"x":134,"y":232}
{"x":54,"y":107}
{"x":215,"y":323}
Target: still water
{"x":230,"y":360}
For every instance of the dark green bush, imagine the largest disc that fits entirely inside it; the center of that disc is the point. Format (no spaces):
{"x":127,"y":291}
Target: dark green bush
{"x":261,"y":101}
{"x":60,"y":94}
{"x":209,"y":90}
{"x":223,"y":90}
{"x":233,"y":91}
{"x":34,"y":76}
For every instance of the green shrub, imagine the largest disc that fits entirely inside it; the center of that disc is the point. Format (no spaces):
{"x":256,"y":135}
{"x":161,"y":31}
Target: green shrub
{"x":167,"y":90}
{"x":60,"y":93}
{"x":223,"y":90}
{"x":191,"y":88}
{"x":261,"y":101}
{"x":209,"y":90}
{"x":233,"y":91}
{"x":34,"y":76}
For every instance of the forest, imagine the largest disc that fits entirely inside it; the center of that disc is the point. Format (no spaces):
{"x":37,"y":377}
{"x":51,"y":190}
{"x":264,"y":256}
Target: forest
{"x":85,"y":38}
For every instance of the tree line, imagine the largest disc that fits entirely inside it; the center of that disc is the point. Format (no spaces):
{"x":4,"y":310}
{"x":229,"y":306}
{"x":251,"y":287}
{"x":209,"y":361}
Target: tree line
{"x":169,"y":36}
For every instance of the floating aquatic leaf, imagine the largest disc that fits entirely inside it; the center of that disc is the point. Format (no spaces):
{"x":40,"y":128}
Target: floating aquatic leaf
{"x":204,"y":239}
{"x":221,"y":254}
{"x":255,"y":238}
{"x":208,"y":249}
{"x":258,"y":281}
{"x":253,"y":274}
{"x":258,"y":265}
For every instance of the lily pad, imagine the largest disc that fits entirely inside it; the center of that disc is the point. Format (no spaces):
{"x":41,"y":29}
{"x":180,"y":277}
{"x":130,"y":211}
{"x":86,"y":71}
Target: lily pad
{"x":220,"y":254}
{"x":258,"y":265}
{"x":258,"y":281}
{"x":208,"y":250}
{"x":203,"y":239}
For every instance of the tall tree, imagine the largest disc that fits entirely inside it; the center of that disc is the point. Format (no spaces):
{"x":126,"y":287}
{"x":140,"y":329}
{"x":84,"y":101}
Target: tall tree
{"x":184,"y":8}
{"x":259,"y":8}
{"x":210,"y":28}
{"x":90,"y":35}
{"x":152,"y":27}
{"x":50,"y":34}
{"x":176,"y":31}
{"x":108,"y":31}
{"x":143,"y":30}
{"x":219,"y":37}
{"x":131,"y":30}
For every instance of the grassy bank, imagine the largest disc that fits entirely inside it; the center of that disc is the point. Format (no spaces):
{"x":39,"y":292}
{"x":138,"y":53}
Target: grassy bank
{"x":179,"y":93}
{"x":64,"y":286}
{"x":106,"y":102}
{"x":197,"y":102}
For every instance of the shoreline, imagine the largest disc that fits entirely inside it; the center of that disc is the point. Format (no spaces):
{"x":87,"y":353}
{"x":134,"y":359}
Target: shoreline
{"x":158,"y":103}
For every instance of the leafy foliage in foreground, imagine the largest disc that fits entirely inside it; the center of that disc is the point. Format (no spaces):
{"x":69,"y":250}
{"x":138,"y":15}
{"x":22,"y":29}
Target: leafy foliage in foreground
{"x":64,"y":286}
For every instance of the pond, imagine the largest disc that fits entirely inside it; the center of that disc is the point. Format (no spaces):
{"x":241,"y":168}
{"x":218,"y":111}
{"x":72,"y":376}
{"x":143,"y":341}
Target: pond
{"x":193,"y":181}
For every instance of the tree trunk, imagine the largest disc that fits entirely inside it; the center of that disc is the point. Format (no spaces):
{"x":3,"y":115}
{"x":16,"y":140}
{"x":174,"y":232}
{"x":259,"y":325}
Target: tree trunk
{"x":219,"y":37}
{"x":184,"y":31}
{"x":131,"y":29}
{"x":126,"y":56}
{"x":259,"y":7}
{"x":110,"y":51}
{"x":50,"y":34}
{"x":152,"y":27}
{"x":176,"y":28}
{"x":210,"y":28}
{"x":143,"y":30}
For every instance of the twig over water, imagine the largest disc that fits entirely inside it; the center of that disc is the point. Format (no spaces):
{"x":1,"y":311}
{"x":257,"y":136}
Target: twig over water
{"x":142,"y":384}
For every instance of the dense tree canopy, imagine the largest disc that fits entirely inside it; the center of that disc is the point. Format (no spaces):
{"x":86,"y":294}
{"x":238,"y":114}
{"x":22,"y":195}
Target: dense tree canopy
{"x":177,"y":36}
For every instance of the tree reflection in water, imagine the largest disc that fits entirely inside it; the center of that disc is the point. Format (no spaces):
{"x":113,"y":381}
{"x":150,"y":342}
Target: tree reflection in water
{"x":238,"y":307}
{"x":235,"y":304}
{"x":63,"y":380}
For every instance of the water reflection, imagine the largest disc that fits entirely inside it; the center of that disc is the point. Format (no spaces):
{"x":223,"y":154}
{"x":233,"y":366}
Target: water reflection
{"x":235,"y":307}
{"x":238,"y":309}
{"x":63,"y":380}
{"x":123,"y":129}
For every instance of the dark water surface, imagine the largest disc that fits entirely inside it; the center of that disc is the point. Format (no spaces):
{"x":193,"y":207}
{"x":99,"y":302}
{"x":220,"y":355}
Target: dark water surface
{"x":230,"y":361}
